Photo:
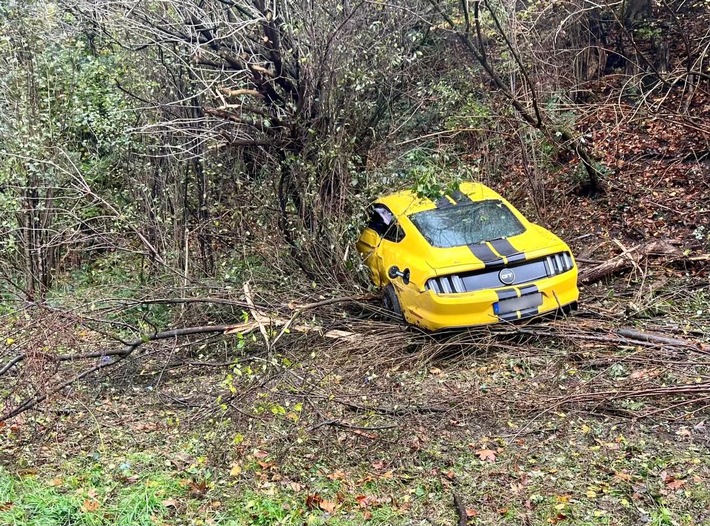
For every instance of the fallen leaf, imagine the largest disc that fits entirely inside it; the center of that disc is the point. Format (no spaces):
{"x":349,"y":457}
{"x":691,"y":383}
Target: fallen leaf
{"x":487,"y":455}
{"x":516,"y":487}
{"x":558,"y":518}
{"x":258,"y":453}
{"x":198,"y":488}
{"x":470,"y":513}
{"x":170,"y":503}
{"x":365,"y":501}
{"x":675,"y":484}
{"x":235,"y":471}
{"x":6,"y":506}
{"x":338,"y":474}
{"x":312,"y":501}
{"x":55,"y":483}
{"x":90,"y":505}
{"x":328,"y":506}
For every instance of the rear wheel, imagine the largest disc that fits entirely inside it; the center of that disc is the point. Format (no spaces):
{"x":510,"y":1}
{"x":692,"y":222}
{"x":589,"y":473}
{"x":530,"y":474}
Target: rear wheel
{"x":390,"y":301}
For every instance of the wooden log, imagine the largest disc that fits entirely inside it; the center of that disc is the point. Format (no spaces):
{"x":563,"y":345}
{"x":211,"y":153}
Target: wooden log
{"x":629,"y":258}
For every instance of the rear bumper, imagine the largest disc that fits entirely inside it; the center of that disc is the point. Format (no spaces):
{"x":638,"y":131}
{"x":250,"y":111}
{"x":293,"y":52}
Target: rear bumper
{"x":433,"y":311}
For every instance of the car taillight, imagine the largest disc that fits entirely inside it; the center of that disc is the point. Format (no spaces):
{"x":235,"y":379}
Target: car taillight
{"x":558,"y":263}
{"x":446,"y":284}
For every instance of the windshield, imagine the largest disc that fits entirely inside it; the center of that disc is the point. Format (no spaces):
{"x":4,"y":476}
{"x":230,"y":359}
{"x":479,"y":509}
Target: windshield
{"x":467,"y":224}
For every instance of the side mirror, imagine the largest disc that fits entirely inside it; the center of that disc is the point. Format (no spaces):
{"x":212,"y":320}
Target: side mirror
{"x":394,"y":272}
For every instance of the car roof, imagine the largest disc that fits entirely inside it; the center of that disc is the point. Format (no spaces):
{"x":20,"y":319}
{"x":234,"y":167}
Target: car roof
{"x":406,"y":202}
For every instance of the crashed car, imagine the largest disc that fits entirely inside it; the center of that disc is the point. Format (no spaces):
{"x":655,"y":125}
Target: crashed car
{"x":467,"y":258}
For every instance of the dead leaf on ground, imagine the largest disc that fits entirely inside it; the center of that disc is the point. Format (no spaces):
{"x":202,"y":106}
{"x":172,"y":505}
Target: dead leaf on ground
{"x":338,"y":474}
{"x":328,"y":505}
{"x":363,"y":500}
{"x":198,"y":489}
{"x":675,"y":484}
{"x":486,"y":455}
{"x":312,"y":501}
{"x":295,"y":486}
{"x":170,"y":503}
{"x":90,"y":505}
{"x":622,"y":476}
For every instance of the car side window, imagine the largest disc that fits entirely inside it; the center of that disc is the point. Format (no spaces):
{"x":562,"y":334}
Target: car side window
{"x":383,"y":222}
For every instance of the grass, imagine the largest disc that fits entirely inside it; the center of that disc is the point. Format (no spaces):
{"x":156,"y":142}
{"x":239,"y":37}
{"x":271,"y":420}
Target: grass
{"x":309,"y":433}
{"x":577,"y":474}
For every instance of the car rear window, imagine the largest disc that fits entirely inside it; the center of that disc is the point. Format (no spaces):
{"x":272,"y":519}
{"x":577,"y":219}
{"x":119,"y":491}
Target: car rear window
{"x":467,"y":224}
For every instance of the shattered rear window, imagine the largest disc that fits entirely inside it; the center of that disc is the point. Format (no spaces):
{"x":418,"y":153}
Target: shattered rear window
{"x":467,"y":224}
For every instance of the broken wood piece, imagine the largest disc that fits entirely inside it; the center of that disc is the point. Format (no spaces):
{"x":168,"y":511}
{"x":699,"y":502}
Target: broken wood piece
{"x":337,"y":334}
{"x":460,"y":510}
{"x":661,"y":339}
{"x":261,"y":319}
{"x":628,"y":258}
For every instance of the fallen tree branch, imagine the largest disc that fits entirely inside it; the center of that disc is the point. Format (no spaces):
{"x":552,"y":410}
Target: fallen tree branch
{"x":653,"y":337}
{"x":392,"y":411}
{"x":260,"y":318}
{"x":337,"y":423}
{"x":119,"y":354}
{"x":460,"y":510}
{"x":110,"y":357}
{"x":628,"y":258}
{"x":656,"y":392}
{"x":623,"y":336}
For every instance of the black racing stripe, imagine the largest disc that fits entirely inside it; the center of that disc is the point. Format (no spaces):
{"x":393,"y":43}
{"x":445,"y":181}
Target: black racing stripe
{"x":512,"y":254}
{"x":506,"y":294}
{"x":530,"y":289}
{"x":504,"y":248}
{"x":513,"y":316}
{"x":443,"y":202}
{"x":516,"y":258}
{"x":460,"y":197}
{"x":483,"y":252}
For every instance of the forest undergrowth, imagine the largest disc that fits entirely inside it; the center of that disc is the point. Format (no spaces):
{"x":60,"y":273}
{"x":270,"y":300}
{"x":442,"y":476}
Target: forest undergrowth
{"x":258,"y":396}
{"x":351,"y":418}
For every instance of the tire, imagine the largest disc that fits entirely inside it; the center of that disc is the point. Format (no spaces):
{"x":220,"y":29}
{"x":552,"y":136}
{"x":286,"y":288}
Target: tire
{"x":390,"y":301}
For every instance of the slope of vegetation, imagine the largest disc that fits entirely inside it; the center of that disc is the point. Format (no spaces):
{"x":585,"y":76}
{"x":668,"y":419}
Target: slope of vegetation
{"x":188,"y":336}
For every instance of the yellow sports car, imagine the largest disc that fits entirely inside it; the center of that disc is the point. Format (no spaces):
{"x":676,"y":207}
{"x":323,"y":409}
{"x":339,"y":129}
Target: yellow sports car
{"x":468,"y":258}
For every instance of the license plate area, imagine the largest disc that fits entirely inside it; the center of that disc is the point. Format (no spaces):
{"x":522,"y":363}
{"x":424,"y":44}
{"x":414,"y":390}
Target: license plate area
{"x":515,"y":304}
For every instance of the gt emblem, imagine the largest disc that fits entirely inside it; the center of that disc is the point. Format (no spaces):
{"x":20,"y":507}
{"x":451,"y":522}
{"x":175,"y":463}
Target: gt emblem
{"x":506,"y":276}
